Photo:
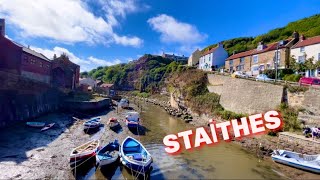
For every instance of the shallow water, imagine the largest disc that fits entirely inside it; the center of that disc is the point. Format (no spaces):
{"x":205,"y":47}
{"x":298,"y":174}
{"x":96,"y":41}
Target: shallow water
{"x":220,"y":161}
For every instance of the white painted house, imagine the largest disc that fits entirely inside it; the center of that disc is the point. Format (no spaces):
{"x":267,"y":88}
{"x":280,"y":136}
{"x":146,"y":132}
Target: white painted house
{"x":214,"y":58}
{"x":307,"y":48}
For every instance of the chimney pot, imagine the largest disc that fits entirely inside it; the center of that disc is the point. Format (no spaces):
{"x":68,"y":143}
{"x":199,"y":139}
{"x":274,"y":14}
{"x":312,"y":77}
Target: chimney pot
{"x":302,"y":37}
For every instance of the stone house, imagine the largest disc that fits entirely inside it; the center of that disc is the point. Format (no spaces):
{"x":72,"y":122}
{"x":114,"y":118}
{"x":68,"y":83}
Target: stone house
{"x":194,"y":58}
{"x":22,"y":61}
{"x":307,"y":48}
{"x":213,"y":58}
{"x":263,"y":57}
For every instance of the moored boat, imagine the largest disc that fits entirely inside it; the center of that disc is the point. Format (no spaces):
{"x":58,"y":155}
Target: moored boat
{"x":108,"y":154}
{"x":124,"y":103}
{"x":36,"y":124}
{"x":135,"y":156}
{"x":302,"y":161}
{"x":83,"y":152}
{"x":92,"y":123}
{"x":132,"y":119}
{"x":48,"y":127}
{"x":113,"y":123}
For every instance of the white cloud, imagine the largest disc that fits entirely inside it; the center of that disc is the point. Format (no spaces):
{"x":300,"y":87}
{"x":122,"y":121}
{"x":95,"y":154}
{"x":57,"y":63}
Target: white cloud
{"x":86,"y":64}
{"x":174,"y":31}
{"x":68,"y":21}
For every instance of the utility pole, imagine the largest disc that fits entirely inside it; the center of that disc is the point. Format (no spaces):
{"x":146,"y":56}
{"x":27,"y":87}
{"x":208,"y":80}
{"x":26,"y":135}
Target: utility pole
{"x":276,"y":62}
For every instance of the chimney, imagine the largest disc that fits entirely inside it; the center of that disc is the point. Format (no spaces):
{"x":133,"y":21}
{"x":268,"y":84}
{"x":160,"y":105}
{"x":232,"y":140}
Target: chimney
{"x":295,"y":35}
{"x":302,"y":37}
{"x":233,"y":52}
{"x":28,"y":46}
{"x":2,"y":27}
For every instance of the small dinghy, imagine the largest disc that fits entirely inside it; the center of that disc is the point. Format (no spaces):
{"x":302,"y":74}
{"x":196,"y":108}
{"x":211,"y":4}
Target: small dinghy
{"x":108,"y":154}
{"x":113,"y":123}
{"x":135,"y":156}
{"x":36,"y":124}
{"x":92,"y":123}
{"x":82,"y":153}
{"x":302,"y":161}
{"x":132,"y":119}
{"x":48,"y":127}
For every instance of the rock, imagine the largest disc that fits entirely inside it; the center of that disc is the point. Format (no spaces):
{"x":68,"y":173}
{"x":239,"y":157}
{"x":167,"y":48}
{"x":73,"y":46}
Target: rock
{"x":53,"y":156}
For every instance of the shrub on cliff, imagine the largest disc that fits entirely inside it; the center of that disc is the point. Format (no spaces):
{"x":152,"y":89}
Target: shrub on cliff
{"x":290,"y":118}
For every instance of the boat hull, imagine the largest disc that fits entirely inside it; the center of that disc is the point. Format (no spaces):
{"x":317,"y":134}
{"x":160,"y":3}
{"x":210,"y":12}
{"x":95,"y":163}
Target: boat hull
{"x":145,"y":168}
{"x":295,"y":164}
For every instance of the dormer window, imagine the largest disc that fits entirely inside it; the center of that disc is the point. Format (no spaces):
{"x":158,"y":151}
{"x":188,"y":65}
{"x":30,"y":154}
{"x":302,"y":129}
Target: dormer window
{"x":302,"y":49}
{"x":260,"y":47}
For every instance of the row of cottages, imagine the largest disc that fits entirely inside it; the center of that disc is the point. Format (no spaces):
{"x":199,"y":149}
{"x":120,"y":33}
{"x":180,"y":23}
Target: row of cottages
{"x":175,"y":57}
{"x":19,"y":60}
{"x":213,"y":58}
{"x":265,"y":56}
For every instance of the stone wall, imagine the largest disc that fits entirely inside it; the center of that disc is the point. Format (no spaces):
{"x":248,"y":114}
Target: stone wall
{"x":245,"y":96}
{"x":298,"y":143}
{"x":87,"y":105}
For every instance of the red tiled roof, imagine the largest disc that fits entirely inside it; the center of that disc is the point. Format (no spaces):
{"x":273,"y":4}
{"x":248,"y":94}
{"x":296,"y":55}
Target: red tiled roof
{"x":307,"y":42}
{"x":242,"y":54}
{"x":210,"y":51}
{"x":269,"y":47}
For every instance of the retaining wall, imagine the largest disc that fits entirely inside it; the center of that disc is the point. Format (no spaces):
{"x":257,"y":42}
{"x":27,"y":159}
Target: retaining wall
{"x":245,"y":96}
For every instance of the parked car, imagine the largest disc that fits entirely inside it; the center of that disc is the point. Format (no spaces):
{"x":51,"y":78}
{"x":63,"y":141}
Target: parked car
{"x":239,"y":74}
{"x":263,"y":77}
{"x":309,"y":81}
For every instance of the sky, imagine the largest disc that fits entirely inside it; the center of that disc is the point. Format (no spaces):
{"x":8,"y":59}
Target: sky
{"x":106,"y":32}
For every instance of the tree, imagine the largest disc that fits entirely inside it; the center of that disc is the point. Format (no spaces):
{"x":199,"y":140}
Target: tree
{"x":309,"y":63}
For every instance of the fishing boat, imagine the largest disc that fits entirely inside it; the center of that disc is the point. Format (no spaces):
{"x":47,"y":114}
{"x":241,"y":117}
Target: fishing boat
{"x":48,"y":127}
{"x":113,"y":123}
{"x":124,"y":103}
{"x":135,"y":156}
{"x":302,"y":161}
{"x":108,"y":154}
{"x":36,"y":124}
{"x":132,"y":119}
{"x":82,"y":153}
{"x":92,"y":123}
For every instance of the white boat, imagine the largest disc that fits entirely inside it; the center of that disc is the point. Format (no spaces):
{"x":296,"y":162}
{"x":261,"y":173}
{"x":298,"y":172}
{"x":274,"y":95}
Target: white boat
{"x":83,"y":152}
{"x":302,"y":161}
{"x":92,"y":123}
{"x":108,"y":154}
{"x":48,"y":127}
{"x":124,"y":103}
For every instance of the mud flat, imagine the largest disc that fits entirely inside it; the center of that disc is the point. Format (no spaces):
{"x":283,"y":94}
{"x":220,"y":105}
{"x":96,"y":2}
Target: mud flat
{"x":27,"y":153}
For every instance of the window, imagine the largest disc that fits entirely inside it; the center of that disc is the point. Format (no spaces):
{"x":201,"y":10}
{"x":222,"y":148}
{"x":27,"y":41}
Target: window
{"x":255,"y":68}
{"x":32,"y":61}
{"x":301,"y":59}
{"x":319,"y":57}
{"x":240,"y":68}
{"x":242,"y":60}
{"x":268,"y":66}
{"x":41,"y":64}
{"x":302,"y":49}
{"x":231,"y":62}
{"x":209,"y":58}
{"x":255,"y":59}
{"x":261,"y":67}
{"x":278,"y":56}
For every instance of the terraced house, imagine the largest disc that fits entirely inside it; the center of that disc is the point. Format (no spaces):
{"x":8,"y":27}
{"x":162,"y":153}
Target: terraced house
{"x":265,"y":56}
{"x":307,"y":48}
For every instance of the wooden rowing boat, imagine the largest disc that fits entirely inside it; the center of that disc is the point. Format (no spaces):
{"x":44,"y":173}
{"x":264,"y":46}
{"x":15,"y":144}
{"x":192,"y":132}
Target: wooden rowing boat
{"x":84,"y":152}
{"x":36,"y":124}
{"x":48,"y":127}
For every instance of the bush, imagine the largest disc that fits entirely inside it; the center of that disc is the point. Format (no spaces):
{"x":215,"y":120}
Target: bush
{"x":271,"y":73}
{"x":292,"y":77}
{"x":295,"y":89}
{"x":290,"y":118}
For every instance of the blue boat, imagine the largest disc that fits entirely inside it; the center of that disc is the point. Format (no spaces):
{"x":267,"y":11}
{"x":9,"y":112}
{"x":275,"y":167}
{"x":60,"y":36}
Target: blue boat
{"x":135,"y":156}
{"x":108,"y":154}
{"x":132,"y":119}
{"x":301,"y":161}
{"x":92,"y":123}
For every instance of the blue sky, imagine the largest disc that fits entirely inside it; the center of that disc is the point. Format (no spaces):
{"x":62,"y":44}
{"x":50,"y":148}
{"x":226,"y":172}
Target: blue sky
{"x":106,"y":32}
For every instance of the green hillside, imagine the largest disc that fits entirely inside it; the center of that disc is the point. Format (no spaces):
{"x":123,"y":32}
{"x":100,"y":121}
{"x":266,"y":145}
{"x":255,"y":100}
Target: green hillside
{"x":146,"y":74}
{"x":308,"y":27}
